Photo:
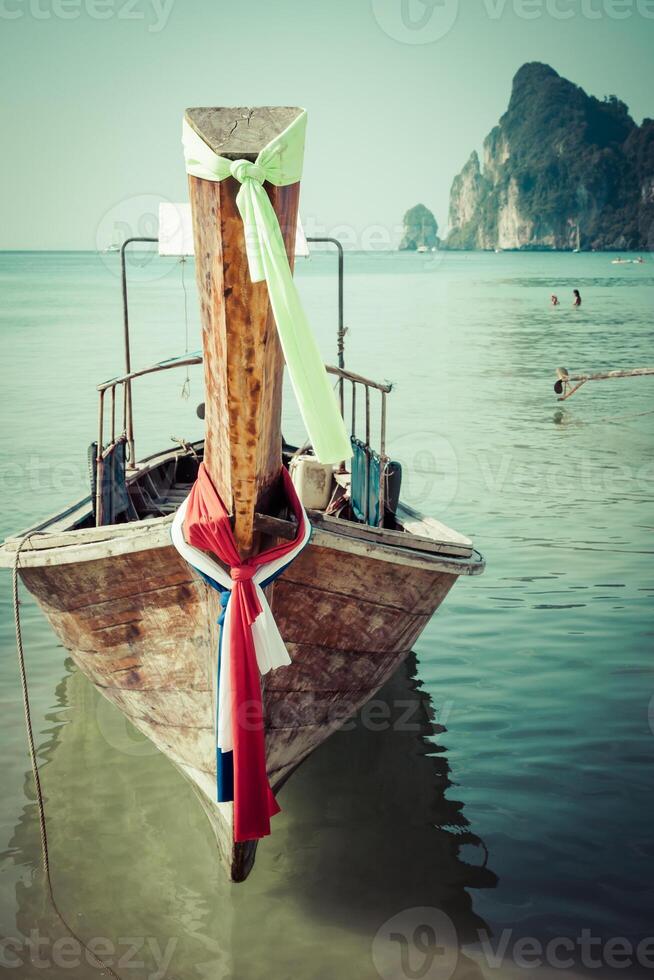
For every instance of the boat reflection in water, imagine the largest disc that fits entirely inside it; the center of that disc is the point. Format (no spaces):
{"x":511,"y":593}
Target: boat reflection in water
{"x":372,"y":837}
{"x":366,"y":835}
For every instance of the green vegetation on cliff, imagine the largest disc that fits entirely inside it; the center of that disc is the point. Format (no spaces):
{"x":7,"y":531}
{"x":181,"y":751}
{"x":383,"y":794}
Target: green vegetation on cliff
{"x":560,"y":163}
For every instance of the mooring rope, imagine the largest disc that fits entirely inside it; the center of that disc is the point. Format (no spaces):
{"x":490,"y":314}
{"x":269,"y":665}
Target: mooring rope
{"x":186,"y":387}
{"x":609,"y":418}
{"x":101,"y":964}
{"x":624,"y":418}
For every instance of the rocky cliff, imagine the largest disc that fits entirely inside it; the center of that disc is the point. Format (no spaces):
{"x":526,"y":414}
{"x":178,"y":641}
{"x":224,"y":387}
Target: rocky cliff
{"x":559,"y":164}
{"x":420,"y":229}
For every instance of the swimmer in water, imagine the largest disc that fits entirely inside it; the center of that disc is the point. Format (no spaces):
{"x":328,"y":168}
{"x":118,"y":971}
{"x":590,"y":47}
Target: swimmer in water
{"x":555,"y":300}
{"x":577,"y":297}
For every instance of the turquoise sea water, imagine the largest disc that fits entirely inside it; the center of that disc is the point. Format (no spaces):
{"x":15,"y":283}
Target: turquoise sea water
{"x":527,"y":812}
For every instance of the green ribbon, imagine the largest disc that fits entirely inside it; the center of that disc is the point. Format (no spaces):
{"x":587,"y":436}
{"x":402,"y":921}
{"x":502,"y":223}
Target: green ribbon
{"x":279,"y":163}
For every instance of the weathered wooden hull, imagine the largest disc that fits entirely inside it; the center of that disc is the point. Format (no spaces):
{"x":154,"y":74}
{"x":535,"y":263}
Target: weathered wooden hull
{"x":141,"y":625}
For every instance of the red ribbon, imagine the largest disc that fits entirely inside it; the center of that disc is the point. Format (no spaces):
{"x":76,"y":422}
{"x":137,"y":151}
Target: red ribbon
{"x":207,"y":526}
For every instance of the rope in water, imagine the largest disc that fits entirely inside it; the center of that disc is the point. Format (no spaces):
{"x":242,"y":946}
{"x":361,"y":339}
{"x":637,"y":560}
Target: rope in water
{"x":624,"y":418}
{"x":35,"y":768}
{"x":186,"y":387}
{"x":612,"y":418}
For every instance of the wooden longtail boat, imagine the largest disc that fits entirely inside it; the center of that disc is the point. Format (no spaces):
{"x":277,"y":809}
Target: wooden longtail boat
{"x":138,"y":620}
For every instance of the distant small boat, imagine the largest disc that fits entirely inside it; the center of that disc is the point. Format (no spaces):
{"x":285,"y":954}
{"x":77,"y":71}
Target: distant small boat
{"x":111,"y":248}
{"x":620,"y":261}
{"x":422,"y":248}
{"x":498,"y":250}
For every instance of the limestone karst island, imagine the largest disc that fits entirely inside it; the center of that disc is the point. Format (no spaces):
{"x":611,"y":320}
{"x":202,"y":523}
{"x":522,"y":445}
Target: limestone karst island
{"x":561,"y":170}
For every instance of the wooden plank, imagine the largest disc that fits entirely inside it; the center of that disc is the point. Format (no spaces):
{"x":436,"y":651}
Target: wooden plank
{"x":93,"y":544}
{"x":428,"y":527}
{"x":398,"y":588}
{"x":136,"y":575}
{"x":420,"y":534}
{"x":190,"y":746}
{"x":318,"y":670}
{"x":435,"y":538}
{"x":238,"y":132}
{"x":124,"y":667}
{"x":312,"y":615}
{"x":83,"y":546}
{"x":295,"y":710}
{"x":565,"y":379}
{"x":174,"y":710}
{"x":287,"y":746}
{"x":58,"y":539}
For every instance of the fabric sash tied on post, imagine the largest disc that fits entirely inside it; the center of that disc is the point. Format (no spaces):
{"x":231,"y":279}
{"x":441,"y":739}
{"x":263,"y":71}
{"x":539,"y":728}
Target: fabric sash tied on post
{"x":279,"y":163}
{"x":250,"y":643}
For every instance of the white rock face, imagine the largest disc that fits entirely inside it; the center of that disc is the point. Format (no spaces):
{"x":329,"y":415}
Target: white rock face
{"x":513,"y":231}
{"x":468,"y":192}
{"x":496,"y":152}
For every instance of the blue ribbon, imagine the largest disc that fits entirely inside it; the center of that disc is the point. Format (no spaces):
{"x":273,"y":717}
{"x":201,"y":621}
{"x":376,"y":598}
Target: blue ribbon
{"x":224,"y":760}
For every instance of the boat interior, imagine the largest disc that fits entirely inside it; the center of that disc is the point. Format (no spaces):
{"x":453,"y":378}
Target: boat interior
{"x":156,"y":487}
{"x":360,"y":499}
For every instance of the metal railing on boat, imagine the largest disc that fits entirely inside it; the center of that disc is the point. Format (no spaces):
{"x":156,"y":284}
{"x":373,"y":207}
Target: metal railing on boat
{"x":127,"y":429}
{"x":359,"y":381}
{"x":356,"y":381}
{"x":108,"y":390}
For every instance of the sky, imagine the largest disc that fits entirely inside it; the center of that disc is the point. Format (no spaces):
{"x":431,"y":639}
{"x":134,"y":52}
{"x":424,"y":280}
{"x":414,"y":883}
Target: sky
{"x":398,"y":93}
